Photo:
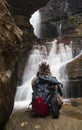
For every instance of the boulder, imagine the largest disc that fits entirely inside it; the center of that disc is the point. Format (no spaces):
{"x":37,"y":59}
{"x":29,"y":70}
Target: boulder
{"x":10,"y":42}
{"x":74,"y":72}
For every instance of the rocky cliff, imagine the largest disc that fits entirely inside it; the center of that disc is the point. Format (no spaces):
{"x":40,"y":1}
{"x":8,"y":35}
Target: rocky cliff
{"x":60,"y":18}
{"x":10,"y":43}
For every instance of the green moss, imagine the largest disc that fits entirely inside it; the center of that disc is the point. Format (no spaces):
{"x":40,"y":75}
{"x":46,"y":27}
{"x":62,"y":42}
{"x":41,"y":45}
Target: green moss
{"x":74,"y":21}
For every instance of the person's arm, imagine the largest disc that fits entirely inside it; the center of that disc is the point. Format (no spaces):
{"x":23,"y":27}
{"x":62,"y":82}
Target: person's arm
{"x":59,"y":98}
{"x":56,"y":88}
{"x":33,"y":83}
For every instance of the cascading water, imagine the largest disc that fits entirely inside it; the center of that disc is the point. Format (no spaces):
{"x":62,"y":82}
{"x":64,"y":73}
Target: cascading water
{"x":59,"y":28}
{"x":23,"y":94}
{"x":36,"y":21}
{"x":59,"y":56}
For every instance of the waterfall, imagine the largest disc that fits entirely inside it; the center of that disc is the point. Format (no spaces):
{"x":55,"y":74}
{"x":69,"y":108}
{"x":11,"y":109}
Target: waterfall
{"x":57,"y":57}
{"x":35,"y":21}
{"x":59,"y":28}
{"x":32,"y":64}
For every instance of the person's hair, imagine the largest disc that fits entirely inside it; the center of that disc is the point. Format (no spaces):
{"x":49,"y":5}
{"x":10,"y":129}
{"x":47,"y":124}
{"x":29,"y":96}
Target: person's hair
{"x":44,"y":68}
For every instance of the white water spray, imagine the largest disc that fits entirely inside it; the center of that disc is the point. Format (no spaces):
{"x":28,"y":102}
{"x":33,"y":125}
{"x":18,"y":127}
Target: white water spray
{"x":24,"y":92}
{"x":59,"y":56}
{"x":36,"y":22}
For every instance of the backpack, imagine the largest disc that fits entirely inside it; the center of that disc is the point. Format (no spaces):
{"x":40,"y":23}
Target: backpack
{"x":41,"y":98}
{"x":43,"y":95}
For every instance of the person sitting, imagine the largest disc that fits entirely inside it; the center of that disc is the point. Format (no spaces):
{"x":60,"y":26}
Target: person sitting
{"x":44,"y":74}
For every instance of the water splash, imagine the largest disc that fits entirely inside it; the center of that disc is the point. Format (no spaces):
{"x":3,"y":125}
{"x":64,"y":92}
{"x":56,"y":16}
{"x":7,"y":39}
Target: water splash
{"x":58,"y":57}
{"x":32,"y":64}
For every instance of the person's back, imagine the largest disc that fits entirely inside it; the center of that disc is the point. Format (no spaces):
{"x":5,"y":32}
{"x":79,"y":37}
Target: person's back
{"x":45,"y":80}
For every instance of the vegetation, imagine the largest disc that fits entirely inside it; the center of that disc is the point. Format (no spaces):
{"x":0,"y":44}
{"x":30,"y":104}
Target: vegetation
{"x":75,"y":21}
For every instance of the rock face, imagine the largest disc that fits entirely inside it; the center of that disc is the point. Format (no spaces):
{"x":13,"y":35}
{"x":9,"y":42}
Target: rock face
{"x":12,"y":44}
{"x":26,"y":8}
{"x":74,"y":71}
{"x":60,"y":17}
{"x":22,"y":11}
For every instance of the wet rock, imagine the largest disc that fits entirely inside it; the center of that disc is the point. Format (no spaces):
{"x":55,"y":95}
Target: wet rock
{"x":60,"y":18}
{"x":70,"y":118}
{"x":74,"y":67}
{"x":76,"y":102}
{"x":10,"y":42}
{"x":74,"y":71}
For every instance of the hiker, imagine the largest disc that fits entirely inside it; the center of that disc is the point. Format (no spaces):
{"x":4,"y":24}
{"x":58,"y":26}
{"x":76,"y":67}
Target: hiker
{"x":45,"y":77}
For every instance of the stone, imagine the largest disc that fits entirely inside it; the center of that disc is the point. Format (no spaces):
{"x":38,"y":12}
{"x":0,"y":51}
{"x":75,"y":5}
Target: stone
{"x":70,"y":118}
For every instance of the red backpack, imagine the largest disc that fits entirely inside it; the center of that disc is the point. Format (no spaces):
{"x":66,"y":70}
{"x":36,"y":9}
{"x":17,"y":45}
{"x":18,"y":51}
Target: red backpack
{"x":40,"y":107}
{"x":41,"y":100}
